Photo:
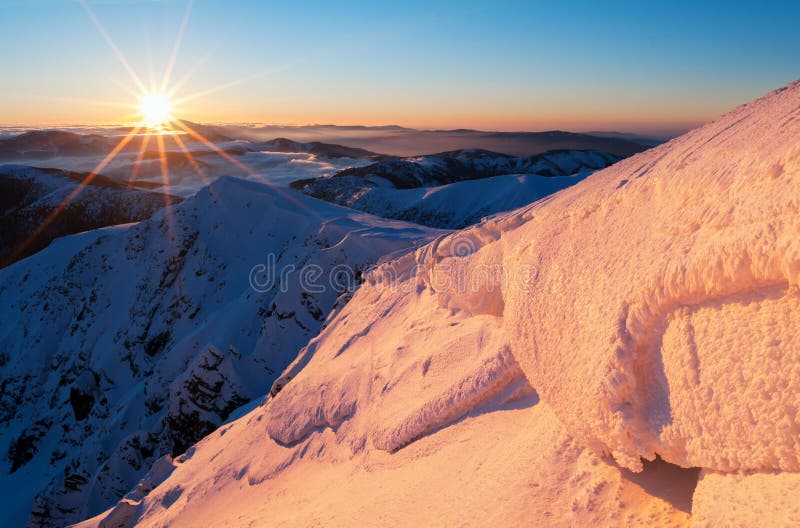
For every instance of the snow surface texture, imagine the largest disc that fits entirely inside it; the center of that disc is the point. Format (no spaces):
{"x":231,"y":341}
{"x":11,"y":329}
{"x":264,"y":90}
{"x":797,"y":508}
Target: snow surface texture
{"x":653,"y":310}
{"x":675,"y":277}
{"x":742,"y":500}
{"x":123,"y":344}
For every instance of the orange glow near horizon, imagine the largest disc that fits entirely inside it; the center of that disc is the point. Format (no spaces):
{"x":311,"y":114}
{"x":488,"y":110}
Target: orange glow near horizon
{"x":530,"y":120}
{"x":156,"y":118}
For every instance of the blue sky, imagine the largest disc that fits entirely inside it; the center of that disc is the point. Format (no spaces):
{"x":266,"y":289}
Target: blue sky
{"x":577,"y":65}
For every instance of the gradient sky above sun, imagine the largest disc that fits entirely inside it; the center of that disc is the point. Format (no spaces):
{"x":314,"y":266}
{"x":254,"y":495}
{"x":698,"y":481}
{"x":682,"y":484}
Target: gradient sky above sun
{"x":577,"y":65}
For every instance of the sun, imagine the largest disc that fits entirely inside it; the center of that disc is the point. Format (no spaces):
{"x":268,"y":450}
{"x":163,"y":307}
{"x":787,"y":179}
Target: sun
{"x":155,"y":110}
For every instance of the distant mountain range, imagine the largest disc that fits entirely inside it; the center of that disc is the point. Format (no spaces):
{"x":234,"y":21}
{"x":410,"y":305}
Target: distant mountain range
{"x":41,"y":144}
{"x":650,"y":141}
{"x":460,"y":204}
{"x":351,"y":141}
{"x":400,"y":141}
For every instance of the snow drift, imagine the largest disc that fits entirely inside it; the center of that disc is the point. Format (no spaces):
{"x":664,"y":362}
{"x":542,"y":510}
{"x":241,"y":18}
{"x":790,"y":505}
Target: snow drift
{"x":649,"y":313}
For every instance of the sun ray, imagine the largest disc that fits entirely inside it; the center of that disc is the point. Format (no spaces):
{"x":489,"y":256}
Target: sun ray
{"x":166,"y":185}
{"x":231,"y":84}
{"x":257,"y":75}
{"x":151,"y":71}
{"x":181,"y":145}
{"x":113,"y":46}
{"x":188,"y":75}
{"x":176,"y":48}
{"x":122,"y":86}
{"x":86,"y":181}
{"x":199,"y":137}
{"x":163,"y":162}
{"x":197,"y":168}
{"x":202,"y":139}
{"x":137,"y":163}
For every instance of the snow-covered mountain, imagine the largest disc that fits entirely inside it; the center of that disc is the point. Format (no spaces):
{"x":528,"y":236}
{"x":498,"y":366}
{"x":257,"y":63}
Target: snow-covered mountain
{"x":29,"y":196}
{"x":123,"y":344}
{"x":460,"y":204}
{"x":442,"y":190}
{"x":451,"y":167}
{"x":587,"y":360}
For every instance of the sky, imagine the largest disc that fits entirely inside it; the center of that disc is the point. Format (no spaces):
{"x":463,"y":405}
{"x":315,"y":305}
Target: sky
{"x":656,"y":68}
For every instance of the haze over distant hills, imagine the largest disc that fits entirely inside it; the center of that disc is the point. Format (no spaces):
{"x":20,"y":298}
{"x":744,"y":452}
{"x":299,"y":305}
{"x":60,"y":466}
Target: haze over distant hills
{"x":392,"y":140}
{"x":400,"y":141}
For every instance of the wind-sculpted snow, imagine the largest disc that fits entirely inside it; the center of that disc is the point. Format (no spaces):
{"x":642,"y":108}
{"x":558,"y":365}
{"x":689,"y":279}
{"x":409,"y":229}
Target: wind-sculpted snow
{"x":434,"y":368}
{"x":649,"y":312}
{"x":494,"y":377}
{"x":646,"y":275}
{"x":121,"y":345}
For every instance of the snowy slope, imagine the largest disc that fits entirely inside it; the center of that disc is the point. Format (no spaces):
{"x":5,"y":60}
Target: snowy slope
{"x":28,"y":196}
{"x":123,"y":344}
{"x":449,"y":167}
{"x":444,"y":190}
{"x":460,"y":204}
{"x":653,"y":310}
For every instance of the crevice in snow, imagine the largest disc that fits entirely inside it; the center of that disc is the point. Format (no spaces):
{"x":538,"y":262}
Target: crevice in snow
{"x":670,"y":482}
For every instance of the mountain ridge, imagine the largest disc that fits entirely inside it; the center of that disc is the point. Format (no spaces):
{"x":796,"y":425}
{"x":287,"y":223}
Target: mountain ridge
{"x":31,"y":195}
{"x":154,"y":332}
{"x":671,"y":280}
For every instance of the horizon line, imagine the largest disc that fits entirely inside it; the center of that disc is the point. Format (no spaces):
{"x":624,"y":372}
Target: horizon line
{"x":254,"y":124}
